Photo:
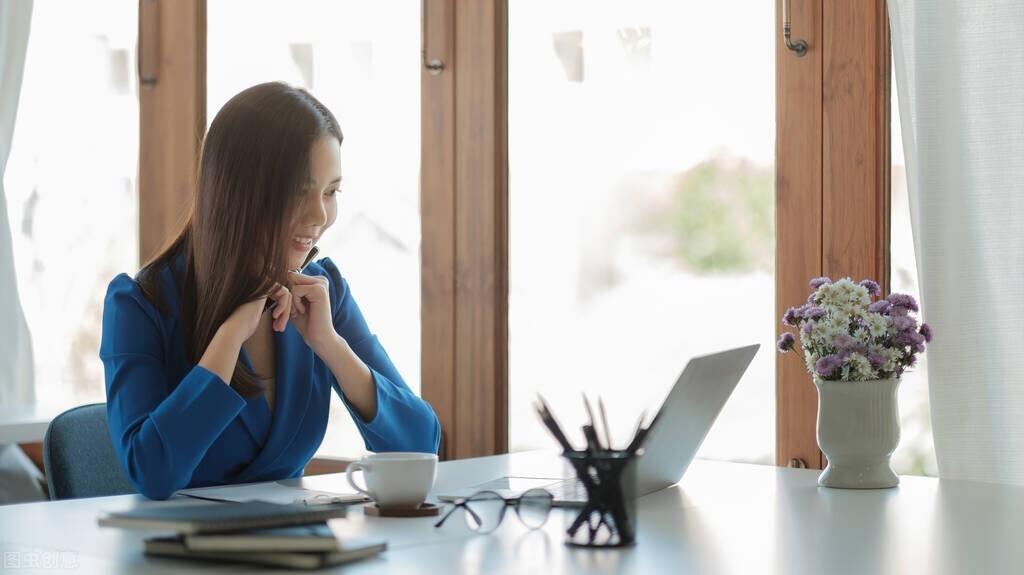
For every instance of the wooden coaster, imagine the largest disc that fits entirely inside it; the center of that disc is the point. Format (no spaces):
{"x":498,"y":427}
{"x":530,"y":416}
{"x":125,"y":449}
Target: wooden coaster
{"x":424,"y":510}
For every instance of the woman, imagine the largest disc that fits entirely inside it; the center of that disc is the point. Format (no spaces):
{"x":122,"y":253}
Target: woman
{"x":205,"y":387}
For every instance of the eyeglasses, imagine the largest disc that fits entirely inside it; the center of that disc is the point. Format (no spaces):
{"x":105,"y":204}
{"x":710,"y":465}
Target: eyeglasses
{"x":485,"y":510}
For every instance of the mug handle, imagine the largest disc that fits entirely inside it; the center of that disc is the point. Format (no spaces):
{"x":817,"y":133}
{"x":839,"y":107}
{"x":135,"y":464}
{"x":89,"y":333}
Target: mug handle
{"x":356,"y":466}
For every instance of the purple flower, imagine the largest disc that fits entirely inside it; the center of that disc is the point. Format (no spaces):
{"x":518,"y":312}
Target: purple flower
{"x":818,"y":282}
{"x":790,"y":317}
{"x":842,"y":341}
{"x":903,"y":300}
{"x":904,"y":323}
{"x":877,"y":360}
{"x":926,"y":332}
{"x":786,"y":342}
{"x":898,"y":310}
{"x":813,"y":312}
{"x":881,"y":306}
{"x":827,"y":365}
{"x":908,"y":338}
{"x":872,"y":287}
{"x":807,"y":327}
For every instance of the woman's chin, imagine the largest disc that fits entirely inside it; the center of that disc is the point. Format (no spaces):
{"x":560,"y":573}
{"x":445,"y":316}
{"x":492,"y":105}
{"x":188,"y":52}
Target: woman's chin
{"x":295,"y":263}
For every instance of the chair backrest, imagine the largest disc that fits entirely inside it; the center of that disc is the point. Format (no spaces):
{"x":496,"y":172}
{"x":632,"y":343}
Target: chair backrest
{"x":79,"y":456}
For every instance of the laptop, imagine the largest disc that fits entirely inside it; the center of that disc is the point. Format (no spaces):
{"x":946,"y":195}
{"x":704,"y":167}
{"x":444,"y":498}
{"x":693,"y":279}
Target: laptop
{"x":675,"y":435}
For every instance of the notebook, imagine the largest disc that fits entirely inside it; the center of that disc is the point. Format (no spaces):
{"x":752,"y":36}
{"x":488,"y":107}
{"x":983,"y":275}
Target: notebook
{"x":317,"y":537}
{"x":221,"y":517}
{"x":285,"y":491}
{"x":350,"y":550}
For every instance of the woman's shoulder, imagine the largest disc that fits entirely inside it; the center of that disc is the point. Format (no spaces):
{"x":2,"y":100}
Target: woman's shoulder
{"x":127,"y":294}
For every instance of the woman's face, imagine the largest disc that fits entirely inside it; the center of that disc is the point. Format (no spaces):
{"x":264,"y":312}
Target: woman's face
{"x":319,"y":206}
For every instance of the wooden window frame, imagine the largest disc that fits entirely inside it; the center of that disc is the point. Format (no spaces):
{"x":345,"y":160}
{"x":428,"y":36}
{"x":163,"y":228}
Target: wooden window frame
{"x":172,"y":115}
{"x":832,"y":187}
{"x":464,"y":207}
{"x":832,"y":179}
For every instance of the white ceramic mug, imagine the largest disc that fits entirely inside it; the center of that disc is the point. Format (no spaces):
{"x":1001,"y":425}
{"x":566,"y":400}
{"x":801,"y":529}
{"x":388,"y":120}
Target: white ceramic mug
{"x":398,"y":479}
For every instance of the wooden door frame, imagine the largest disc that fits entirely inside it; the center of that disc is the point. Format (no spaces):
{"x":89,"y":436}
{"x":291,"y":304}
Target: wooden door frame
{"x":832,"y":179}
{"x":464,"y":207}
{"x":172,"y":115}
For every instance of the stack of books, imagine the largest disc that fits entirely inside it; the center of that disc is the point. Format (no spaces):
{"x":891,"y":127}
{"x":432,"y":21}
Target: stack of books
{"x":295,"y":536}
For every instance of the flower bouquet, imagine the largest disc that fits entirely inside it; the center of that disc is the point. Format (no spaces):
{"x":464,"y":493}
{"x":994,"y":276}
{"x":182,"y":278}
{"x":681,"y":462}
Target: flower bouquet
{"x":856,"y":345}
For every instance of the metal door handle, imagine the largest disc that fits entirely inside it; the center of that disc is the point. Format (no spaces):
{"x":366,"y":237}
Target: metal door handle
{"x":799,"y":47}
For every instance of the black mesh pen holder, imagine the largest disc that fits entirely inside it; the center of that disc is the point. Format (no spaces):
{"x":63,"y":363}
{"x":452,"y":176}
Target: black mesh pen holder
{"x":608,"y":519}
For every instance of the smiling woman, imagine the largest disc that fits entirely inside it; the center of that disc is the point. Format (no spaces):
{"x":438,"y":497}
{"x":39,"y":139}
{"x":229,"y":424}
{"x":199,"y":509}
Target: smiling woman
{"x":204,"y":386}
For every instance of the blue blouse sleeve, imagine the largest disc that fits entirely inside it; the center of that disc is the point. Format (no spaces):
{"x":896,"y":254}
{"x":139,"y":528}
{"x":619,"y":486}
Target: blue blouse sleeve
{"x":403,"y":422}
{"x":161,"y":428}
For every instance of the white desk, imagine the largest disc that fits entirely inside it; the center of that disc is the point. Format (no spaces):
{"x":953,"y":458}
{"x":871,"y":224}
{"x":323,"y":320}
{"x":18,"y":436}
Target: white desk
{"x":25,"y":423}
{"x":722,"y":518}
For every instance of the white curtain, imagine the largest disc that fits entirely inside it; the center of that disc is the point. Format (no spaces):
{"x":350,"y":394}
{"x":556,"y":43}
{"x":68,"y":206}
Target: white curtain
{"x":19,"y":480}
{"x":16,"y":378}
{"x":960,"y":81}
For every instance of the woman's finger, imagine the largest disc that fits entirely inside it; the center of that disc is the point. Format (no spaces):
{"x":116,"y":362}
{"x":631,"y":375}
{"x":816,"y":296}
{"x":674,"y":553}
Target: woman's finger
{"x":278,"y":296}
{"x":286,"y":306}
{"x":299,"y":304}
{"x":313,"y":293}
{"x":305,"y":295}
{"x":303,"y":279}
{"x":280,"y":306}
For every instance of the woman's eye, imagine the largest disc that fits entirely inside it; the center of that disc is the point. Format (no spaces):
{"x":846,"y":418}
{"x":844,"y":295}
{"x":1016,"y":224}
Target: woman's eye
{"x":333,"y":192}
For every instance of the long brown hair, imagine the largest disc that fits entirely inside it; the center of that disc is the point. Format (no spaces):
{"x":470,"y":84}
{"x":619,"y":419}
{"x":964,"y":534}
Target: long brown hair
{"x":254,"y":166}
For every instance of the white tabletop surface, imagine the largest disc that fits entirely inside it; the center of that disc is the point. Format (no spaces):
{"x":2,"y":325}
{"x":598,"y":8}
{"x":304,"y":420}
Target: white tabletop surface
{"x":722,"y":518}
{"x":26,"y":423}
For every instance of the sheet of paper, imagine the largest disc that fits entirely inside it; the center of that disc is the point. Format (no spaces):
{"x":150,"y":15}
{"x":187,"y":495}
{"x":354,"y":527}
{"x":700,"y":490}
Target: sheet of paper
{"x":272,"y":491}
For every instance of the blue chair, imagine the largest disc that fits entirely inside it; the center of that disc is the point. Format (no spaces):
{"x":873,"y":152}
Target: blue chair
{"x":79,"y":456}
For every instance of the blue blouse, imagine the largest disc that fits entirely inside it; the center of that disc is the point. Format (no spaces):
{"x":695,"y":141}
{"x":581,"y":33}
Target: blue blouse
{"x":175,"y":424}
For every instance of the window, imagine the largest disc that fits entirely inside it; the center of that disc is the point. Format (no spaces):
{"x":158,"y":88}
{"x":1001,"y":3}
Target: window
{"x":362,"y":59}
{"x":70,"y":186}
{"x":916,"y":452}
{"x":641,"y":210}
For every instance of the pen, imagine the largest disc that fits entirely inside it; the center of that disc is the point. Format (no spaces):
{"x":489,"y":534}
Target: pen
{"x":553,"y":428}
{"x":637,"y":437}
{"x":604,"y":422}
{"x":552,"y":423}
{"x":590,"y":416}
{"x":593,"y":443}
{"x":309,"y":257}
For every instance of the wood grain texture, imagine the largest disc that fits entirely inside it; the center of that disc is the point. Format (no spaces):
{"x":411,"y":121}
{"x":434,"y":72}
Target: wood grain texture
{"x":798,"y":225}
{"x":481,"y":229}
{"x":172,"y":117}
{"x":832,"y":178}
{"x":437,"y":213}
{"x":855,"y":132}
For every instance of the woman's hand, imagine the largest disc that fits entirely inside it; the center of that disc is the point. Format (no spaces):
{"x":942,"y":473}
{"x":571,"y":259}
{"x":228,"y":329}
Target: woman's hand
{"x":311,"y":310}
{"x":221,"y":354}
{"x":242,"y":322}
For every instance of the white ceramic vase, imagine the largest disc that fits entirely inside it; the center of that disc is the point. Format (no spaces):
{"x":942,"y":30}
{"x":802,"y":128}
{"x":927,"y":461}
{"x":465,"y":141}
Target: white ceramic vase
{"x":858,"y":429}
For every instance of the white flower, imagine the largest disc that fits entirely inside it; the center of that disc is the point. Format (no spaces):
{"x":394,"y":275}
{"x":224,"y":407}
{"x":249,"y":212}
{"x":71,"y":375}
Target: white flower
{"x":862,"y":336}
{"x":809,"y":360}
{"x":860,"y":368}
{"x":892,"y":358}
{"x":878,"y":324}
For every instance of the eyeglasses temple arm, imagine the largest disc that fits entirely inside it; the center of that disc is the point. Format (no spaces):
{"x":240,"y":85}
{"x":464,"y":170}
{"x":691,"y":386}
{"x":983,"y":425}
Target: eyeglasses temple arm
{"x":449,"y":514}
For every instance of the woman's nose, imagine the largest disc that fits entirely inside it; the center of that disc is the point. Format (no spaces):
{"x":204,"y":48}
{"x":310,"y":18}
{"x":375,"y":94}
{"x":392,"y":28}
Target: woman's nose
{"x":315,"y":213}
